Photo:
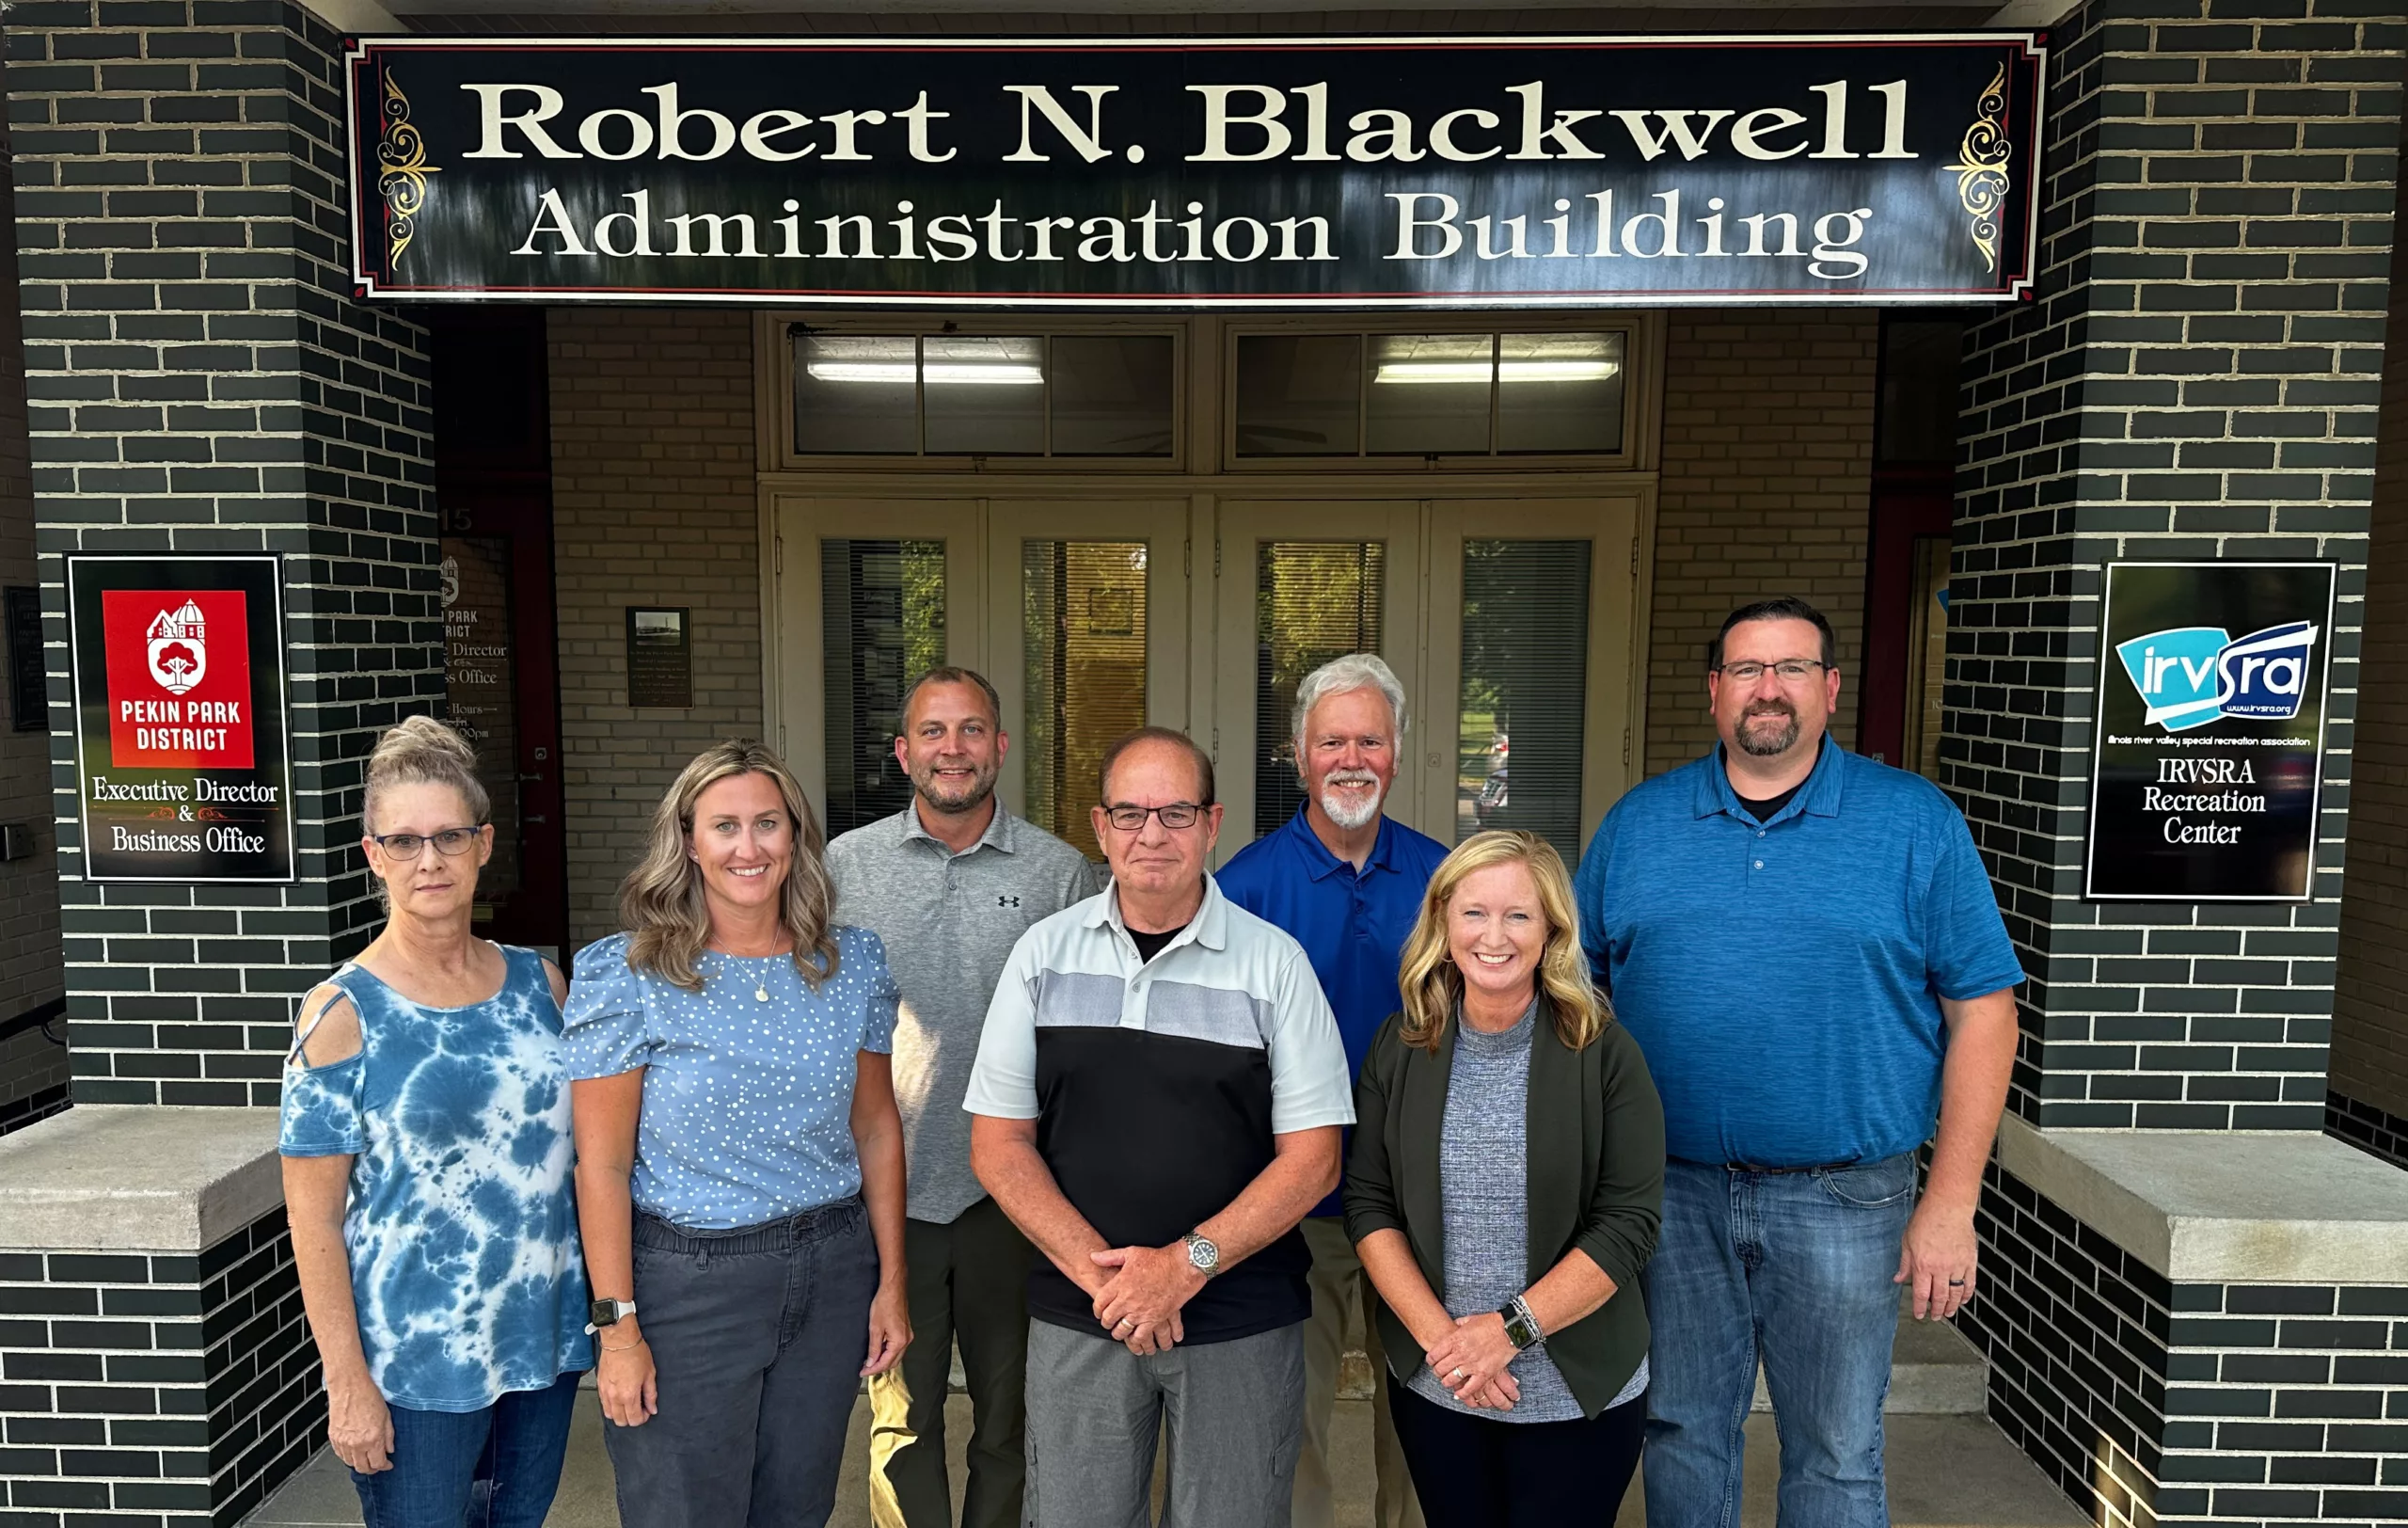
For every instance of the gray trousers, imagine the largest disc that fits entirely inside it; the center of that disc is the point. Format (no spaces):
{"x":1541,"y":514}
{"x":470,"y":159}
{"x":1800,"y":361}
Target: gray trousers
{"x":1234,"y":1414}
{"x":757,"y":1336}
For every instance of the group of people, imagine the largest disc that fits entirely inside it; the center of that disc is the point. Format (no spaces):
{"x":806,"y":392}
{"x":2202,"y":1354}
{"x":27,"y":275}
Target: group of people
{"x":825,"y":1113}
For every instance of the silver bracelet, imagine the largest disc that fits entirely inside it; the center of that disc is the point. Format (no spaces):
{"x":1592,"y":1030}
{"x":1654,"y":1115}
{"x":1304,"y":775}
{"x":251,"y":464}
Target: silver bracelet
{"x":1522,"y":1309}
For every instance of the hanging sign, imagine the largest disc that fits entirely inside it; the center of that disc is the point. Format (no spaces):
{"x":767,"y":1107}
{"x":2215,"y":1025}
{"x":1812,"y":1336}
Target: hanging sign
{"x":181,"y":762}
{"x":2211,"y":696}
{"x":1437,"y":172}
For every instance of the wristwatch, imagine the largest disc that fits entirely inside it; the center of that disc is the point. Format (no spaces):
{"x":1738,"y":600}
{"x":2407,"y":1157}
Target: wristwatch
{"x":1521,"y":1328}
{"x":601,"y":1313}
{"x":1203,"y":1254}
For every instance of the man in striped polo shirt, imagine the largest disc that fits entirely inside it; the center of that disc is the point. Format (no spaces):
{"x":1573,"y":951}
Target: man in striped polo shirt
{"x":1158,"y":1096}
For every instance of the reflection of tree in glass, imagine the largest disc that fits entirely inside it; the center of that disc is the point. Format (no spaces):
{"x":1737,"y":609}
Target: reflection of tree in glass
{"x":1525,"y":681}
{"x":1314,"y":601}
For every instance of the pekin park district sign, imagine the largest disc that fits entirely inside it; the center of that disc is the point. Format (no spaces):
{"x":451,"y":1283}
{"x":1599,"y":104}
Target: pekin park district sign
{"x":1365,"y":172}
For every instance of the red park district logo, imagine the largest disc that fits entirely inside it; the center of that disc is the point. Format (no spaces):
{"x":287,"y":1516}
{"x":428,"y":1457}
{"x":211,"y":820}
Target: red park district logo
{"x":180,"y":679}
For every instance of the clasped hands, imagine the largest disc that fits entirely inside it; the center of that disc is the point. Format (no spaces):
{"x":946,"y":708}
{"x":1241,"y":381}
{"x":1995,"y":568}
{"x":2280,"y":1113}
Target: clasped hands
{"x":1470,"y":1360}
{"x":1139,"y":1293}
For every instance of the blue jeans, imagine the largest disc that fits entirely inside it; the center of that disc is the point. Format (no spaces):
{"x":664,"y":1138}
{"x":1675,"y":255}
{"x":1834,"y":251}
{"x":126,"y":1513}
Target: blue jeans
{"x":498,"y":1468}
{"x":1797,"y":1269}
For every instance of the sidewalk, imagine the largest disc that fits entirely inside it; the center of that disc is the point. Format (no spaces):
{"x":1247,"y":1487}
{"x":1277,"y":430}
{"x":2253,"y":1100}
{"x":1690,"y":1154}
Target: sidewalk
{"x":1944,"y":1472}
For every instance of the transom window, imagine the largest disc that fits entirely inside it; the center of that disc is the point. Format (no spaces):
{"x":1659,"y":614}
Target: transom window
{"x":1060,"y":395}
{"x":1560,"y":392}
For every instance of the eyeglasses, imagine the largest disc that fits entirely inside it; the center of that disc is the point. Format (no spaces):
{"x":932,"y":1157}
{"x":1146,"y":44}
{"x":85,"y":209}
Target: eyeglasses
{"x":1178,"y":814}
{"x":1792,"y":671}
{"x":451,"y":841}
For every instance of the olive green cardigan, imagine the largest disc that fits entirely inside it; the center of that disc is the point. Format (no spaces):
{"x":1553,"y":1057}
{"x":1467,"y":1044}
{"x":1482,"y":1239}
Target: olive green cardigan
{"x":1595,"y":1176}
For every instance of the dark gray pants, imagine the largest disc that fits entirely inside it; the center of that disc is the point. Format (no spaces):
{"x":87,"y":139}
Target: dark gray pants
{"x":969,"y":1282}
{"x":1233,"y":1413}
{"x":758,"y":1336}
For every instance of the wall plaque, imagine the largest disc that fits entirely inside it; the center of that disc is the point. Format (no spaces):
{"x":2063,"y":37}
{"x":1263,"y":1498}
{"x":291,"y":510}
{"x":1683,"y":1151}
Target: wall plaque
{"x":2212,"y":700}
{"x":1189,"y":172}
{"x":660,"y":657}
{"x":180,"y":737}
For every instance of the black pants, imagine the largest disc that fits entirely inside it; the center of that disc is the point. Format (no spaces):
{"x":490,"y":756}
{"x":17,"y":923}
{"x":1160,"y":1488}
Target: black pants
{"x":1478,"y":1473}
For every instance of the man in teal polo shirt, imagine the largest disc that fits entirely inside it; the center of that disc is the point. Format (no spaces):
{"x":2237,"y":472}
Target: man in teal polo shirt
{"x":1807,"y":948}
{"x":1345,"y":881}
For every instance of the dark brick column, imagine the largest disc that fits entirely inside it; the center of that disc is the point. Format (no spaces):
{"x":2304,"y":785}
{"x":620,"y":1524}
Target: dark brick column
{"x":2199,"y":379}
{"x":200,"y":381}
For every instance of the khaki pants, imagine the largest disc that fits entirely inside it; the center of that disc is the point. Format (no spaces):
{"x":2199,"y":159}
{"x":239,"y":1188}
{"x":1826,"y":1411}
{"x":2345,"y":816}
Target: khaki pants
{"x":968,"y":1283}
{"x":1341,"y":1294}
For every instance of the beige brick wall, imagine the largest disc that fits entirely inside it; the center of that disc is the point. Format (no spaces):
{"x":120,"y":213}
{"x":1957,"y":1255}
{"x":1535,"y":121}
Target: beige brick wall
{"x":1767,"y":467}
{"x":653,"y":504}
{"x":2369,"y":1058}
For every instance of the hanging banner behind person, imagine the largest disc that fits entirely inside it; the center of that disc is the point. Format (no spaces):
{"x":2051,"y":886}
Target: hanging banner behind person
{"x":181,"y":757}
{"x":1185,"y":172}
{"x":2211,"y":698}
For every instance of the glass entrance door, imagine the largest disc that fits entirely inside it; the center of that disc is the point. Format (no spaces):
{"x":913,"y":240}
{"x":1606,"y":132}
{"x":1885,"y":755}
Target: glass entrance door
{"x":1529,"y":683}
{"x":1513,"y":623}
{"x":1301,"y":582}
{"x":871,"y":592}
{"x":1076,"y":613}
{"x":1086,"y":637}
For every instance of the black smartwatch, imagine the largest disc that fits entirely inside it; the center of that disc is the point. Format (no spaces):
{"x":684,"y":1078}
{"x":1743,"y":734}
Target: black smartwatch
{"x":601,"y":1313}
{"x":1521,"y":1328}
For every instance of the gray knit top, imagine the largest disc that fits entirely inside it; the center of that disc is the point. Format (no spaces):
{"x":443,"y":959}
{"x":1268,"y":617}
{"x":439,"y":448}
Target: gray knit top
{"x":1483,"y":1186}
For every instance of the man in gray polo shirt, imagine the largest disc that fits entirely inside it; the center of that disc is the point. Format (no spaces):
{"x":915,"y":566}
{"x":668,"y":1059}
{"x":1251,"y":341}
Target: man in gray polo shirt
{"x":950,"y":884}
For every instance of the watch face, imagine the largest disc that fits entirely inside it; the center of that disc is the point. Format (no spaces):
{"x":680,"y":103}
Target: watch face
{"x":603,"y":1313}
{"x":1204,"y":1253}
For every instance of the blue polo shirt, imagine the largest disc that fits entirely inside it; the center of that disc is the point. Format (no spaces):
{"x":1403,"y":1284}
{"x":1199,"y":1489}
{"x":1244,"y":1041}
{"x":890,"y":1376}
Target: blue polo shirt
{"x":1353,"y":927}
{"x":1785,"y":978}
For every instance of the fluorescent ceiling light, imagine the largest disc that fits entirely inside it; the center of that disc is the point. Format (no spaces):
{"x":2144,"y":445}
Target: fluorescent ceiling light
{"x":939,"y":374}
{"x":1477,"y":370}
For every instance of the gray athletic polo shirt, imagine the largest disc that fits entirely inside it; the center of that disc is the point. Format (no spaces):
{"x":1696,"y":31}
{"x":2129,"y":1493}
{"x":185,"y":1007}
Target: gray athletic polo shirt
{"x":949,"y":922}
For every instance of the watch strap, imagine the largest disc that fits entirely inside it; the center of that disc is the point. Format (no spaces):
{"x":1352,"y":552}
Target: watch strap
{"x":620,"y":1310}
{"x":1521,"y":1327}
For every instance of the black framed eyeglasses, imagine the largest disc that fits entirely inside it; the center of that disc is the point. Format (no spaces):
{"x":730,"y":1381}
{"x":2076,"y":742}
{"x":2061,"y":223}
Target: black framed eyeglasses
{"x":449,"y":843}
{"x":1791,"y":669}
{"x":1176,"y":815}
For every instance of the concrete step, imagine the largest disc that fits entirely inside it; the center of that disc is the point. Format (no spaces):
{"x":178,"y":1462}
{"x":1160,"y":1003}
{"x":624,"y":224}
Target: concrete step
{"x":1933,"y":1372}
{"x":1944,"y":1472}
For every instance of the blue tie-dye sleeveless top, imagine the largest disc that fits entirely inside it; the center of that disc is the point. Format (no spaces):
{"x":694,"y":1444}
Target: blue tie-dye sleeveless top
{"x":462,"y":1223}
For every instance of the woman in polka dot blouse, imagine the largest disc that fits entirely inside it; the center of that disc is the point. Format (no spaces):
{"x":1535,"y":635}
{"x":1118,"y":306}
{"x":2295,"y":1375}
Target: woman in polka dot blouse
{"x":739,"y":1159}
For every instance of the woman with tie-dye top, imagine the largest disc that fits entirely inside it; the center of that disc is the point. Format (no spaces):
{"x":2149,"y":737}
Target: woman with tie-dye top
{"x":427,"y":1173}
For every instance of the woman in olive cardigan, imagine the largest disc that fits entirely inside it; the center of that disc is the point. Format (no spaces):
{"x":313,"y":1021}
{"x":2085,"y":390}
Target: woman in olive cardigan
{"x":1504,"y":1190}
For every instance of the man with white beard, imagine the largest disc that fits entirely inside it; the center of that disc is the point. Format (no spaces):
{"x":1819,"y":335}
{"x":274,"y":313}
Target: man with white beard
{"x":1345,"y":881}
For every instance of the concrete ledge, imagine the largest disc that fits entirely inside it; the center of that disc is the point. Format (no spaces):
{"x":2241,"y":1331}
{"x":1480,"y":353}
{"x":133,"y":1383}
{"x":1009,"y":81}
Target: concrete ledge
{"x":2225,"y":1207}
{"x":137,"y":1178}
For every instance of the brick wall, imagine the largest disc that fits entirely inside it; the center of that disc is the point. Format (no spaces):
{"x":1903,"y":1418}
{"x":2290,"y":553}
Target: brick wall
{"x":151,"y":1388}
{"x":200,"y":381}
{"x":31,"y":977}
{"x":1767,"y":472}
{"x":2370,"y":1073}
{"x":2148,"y":1401}
{"x":2197,"y":379}
{"x":654,"y":503}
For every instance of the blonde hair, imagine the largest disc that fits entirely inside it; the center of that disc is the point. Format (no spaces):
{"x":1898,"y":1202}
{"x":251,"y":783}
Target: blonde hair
{"x":661,"y":902}
{"x":1432,"y":988}
{"x":421,"y":751}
